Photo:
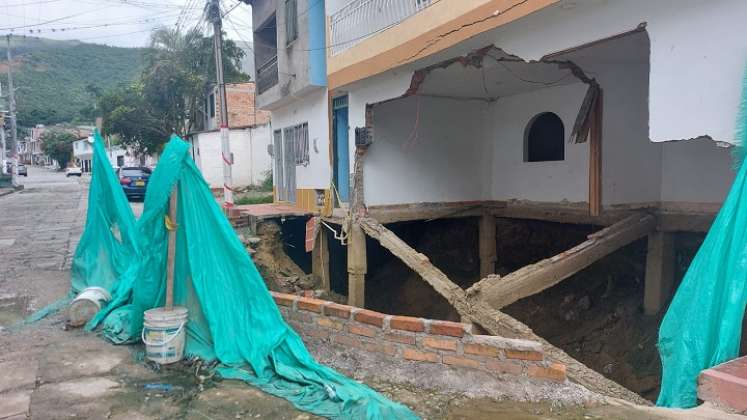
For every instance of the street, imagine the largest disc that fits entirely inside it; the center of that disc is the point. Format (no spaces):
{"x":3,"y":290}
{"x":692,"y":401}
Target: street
{"x":39,"y":229}
{"x":49,"y":372}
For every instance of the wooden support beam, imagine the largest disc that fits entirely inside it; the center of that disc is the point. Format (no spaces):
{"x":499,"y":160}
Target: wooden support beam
{"x":357,"y":267}
{"x":491,"y":320}
{"x":659,"y":272}
{"x":171,"y":253}
{"x":595,"y":156}
{"x":487,"y":245}
{"x":320,"y":260}
{"x":498,"y":292}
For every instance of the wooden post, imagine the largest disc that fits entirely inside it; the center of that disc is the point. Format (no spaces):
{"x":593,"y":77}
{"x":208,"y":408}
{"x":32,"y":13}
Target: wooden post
{"x":357,"y":266}
{"x":659,"y":272}
{"x":172,"y":250}
{"x":320,"y":259}
{"x":487,"y":245}
{"x":595,"y":157}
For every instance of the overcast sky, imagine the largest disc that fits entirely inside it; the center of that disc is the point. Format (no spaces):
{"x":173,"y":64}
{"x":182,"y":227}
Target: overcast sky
{"x":124,"y":23}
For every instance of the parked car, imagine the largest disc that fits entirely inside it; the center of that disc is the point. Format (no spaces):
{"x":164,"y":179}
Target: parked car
{"x":134,"y":181}
{"x":73,"y":171}
{"x":22,"y":169}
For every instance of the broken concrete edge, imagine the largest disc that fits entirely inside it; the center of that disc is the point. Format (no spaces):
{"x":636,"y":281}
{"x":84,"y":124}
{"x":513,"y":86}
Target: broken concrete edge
{"x":417,"y":340}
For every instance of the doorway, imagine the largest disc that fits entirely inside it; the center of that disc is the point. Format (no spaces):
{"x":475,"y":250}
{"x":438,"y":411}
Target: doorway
{"x":340,"y":129}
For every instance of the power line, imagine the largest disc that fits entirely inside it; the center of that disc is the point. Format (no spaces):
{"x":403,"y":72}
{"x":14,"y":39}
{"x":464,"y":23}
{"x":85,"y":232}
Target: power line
{"x":11,"y":28}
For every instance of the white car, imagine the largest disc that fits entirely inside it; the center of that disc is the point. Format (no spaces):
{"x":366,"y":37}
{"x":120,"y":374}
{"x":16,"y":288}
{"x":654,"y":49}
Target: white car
{"x":73,"y":171}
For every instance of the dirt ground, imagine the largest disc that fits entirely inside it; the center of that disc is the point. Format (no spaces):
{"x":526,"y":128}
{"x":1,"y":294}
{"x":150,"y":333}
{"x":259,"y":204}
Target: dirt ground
{"x":595,"y":315}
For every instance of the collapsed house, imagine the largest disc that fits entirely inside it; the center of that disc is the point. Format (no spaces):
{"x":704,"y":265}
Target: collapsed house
{"x":605,"y":115}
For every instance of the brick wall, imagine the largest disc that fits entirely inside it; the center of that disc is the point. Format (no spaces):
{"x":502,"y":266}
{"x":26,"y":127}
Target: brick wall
{"x":241,"y":102}
{"x":415,"y":339}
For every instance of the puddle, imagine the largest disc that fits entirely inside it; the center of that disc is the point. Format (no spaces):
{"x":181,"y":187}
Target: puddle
{"x":13,"y":308}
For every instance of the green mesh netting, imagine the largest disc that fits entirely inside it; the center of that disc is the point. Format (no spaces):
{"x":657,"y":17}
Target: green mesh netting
{"x":232,"y":317}
{"x":703,"y":324}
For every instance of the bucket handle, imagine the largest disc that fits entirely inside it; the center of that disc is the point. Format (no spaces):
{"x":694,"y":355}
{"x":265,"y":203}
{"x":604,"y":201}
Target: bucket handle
{"x":167,"y":341}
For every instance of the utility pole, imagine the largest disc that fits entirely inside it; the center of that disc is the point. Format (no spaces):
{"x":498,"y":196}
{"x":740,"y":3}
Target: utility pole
{"x":12,"y":105}
{"x":213,"y":13}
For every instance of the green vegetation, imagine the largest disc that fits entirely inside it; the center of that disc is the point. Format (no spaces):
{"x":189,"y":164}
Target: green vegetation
{"x":167,"y":97}
{"x":254,"y":199}
{"x":58,"y":145}
{"x":57,"y":81}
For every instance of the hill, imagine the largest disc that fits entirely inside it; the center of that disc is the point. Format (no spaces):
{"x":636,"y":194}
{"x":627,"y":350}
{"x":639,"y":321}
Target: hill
{"x":55,"y":80}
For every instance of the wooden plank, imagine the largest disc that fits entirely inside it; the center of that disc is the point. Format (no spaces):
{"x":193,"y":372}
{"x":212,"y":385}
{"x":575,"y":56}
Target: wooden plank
{"x":491,"y":320}
{"x":595,"y":156}
{"x":502,"y":291}
{"x":171,"y":256}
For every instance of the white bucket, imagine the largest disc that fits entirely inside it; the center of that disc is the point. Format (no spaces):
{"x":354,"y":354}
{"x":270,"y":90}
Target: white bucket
{"x":86,"y":305}
{"x":163,"y":334}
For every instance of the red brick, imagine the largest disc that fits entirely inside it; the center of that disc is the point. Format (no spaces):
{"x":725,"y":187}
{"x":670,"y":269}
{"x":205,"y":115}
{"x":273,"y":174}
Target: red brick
{"x":481,"y":350}
{"x":461,"y":361}
{"x":440,"y":344}
{"x":401,"y":338}
{"x":555,"y":372}
{"x":284,"y":298}
{"x":361,"y":330}
{"x":421,"y":356}
{"x":525,"y":355}
{"x":348,"y":341}
{"x":328,"y":323}
{"x":370,"y":317}
{"x":309,"y":304}
{"x":300,"y":316}
{"x":453,"y":329}
{"x":381,"y":348}
{"x":407,"y":323}
{"x":500,"y":366}
{"x":316,"y":332}
{"x":338,"y":311}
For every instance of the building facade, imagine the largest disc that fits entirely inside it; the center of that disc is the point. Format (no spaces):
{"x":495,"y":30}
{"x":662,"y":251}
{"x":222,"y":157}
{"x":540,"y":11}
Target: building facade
{"x":249,"y":135}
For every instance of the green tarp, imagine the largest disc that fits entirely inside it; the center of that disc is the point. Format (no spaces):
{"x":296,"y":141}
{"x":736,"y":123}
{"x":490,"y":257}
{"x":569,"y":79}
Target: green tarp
{"x":703,"y":325}
{"x":232,"y":317}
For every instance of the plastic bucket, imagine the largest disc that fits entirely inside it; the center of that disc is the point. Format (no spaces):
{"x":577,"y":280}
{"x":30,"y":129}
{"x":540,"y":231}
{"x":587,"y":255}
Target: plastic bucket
{"x":87,"y":304}
{"x":163,"y":334}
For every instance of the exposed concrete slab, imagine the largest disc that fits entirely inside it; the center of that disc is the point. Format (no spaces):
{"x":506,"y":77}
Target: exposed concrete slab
{"x":17,"y":375}
{"x":87,"y":388}
{"x":15,"y":404}
{"x":234,"y":399}
{"x":67,"y":364}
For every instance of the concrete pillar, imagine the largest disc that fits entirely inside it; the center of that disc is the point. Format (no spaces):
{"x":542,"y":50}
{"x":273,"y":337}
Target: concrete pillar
{"x":659,"y":272}
{"x":320,"y":260}
{"x":487,"y":250}
{"x":357,"y":266}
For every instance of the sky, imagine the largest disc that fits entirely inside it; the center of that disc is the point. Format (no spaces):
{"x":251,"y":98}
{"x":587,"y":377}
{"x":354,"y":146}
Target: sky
{"x":122,"y":23}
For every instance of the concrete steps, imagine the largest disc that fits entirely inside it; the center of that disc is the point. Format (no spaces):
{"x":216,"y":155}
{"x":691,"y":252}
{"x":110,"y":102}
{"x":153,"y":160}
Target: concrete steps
{"x":725,"y":385}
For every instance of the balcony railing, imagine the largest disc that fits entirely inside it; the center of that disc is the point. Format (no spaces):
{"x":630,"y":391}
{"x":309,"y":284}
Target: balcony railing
{"x":361,"y":19}
{"x":267,"y":75}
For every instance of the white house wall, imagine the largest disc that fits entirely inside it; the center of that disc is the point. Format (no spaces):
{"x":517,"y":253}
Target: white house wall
{"x":511,"y":177}
{"x":436,"y":156}
{"x":698,"y":54}
{"x":696,"y":171}
{"x":311,"y":109}
{"x":249,"y":148}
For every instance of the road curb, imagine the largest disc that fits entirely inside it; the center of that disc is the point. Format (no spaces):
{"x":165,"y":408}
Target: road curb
{"x":11,"y":190}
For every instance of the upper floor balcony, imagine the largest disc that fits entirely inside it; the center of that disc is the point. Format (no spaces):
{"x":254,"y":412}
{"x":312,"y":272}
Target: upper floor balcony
{"x":361,"y":19}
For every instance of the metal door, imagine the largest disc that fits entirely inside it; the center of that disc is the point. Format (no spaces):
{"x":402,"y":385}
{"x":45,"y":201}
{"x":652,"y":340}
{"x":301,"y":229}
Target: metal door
{"x":289,"y":163}
{"x":341,"y":175}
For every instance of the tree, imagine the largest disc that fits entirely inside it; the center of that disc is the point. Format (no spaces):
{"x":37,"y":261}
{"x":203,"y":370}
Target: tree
{"x":58,"y":144}
{"x":178,"y":69}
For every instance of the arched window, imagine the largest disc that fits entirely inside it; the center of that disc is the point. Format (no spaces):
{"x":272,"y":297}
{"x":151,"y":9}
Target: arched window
{"x":544,"y":138}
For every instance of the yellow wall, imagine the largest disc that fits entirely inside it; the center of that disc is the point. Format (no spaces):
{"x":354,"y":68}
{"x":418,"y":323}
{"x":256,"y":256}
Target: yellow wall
{"x":413,"y":38}
{"x":306,"y":200}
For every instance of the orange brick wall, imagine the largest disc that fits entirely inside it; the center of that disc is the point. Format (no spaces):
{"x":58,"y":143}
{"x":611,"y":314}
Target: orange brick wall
{"x":416,"y":340}
{"x":241,"y":102}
